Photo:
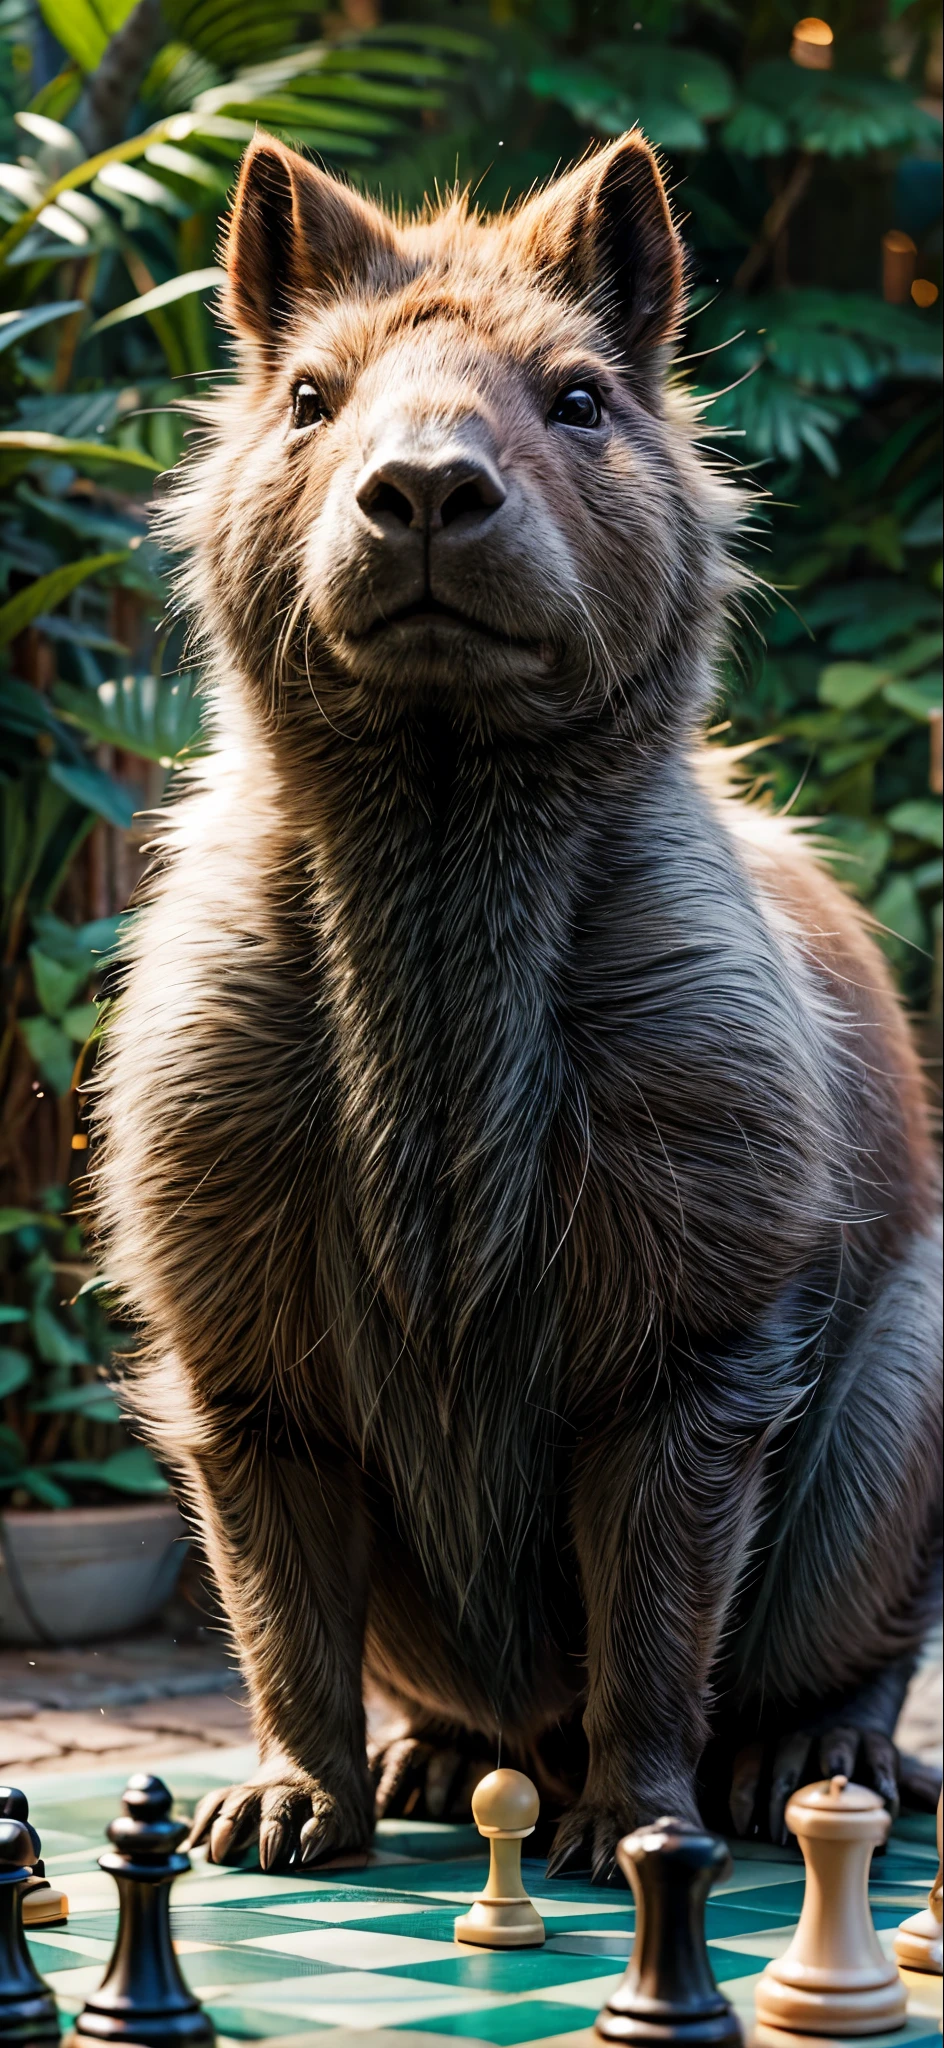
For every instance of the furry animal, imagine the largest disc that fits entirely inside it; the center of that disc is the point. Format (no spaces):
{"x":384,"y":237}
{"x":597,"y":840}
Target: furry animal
{"x":512,"y":1144}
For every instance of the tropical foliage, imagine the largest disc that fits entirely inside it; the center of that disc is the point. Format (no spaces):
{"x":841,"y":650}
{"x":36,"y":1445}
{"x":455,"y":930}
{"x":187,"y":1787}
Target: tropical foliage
{"x":120,"y":126}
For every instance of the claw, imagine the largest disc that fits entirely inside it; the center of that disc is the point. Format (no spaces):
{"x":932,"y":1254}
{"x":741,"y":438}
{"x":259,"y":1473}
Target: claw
{"x":205,"y":1813}
{"x":272,"y":1843}
{"x":838,"y":1751}
{"x":569,"y":1858}
{"x":317,"y":1838}
{"x":790,"y":1761}
{"x":882,"y":1759}
{"x":233,"y":1828}
{"x":442,"y":1772}
{"x":745,"y":1779}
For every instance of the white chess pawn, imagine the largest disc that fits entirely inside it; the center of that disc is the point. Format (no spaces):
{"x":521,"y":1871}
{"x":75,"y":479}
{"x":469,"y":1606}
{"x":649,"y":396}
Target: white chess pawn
{"x":918,"y":1943}
{"x":834,"y":1978}
{"x":505,"y":1806}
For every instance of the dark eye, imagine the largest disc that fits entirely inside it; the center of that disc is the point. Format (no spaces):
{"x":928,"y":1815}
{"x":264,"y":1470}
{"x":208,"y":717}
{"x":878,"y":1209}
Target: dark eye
{"x":308,"y":406}
{"x":579,"y":406}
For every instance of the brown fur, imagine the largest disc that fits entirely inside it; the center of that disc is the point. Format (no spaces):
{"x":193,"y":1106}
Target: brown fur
{"x":512,"y":1144}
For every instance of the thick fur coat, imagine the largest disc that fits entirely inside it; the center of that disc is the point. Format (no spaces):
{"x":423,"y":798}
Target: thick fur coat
{"x":511,"y":1144}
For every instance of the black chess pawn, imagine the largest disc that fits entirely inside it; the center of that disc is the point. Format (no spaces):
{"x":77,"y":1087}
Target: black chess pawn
{"x":27,"y":2006}
{"x":142,"y":1997}
{"x":43,"y":1904}
{"x":668,"y":1993}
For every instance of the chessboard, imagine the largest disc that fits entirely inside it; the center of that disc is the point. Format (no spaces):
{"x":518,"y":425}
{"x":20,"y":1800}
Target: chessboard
{"x":365,"y":1953}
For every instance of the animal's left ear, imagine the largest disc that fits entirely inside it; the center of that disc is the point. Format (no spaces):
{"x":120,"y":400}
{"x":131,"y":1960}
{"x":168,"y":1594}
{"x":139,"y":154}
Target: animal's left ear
{"x":605,"y":232}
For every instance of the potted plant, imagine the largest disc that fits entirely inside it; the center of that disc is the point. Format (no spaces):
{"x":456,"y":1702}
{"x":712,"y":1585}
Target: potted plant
{"x":91,"y":1540}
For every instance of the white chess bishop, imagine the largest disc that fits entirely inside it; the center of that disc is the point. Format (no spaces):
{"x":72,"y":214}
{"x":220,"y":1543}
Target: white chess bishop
{"x":834,"y":1978}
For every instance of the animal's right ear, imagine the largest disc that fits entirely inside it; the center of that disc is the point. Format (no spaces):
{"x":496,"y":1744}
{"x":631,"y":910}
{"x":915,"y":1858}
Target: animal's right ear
{"x":294,"y":234}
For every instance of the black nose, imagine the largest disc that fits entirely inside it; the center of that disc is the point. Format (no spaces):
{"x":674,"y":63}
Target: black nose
{"x":429,"y":492}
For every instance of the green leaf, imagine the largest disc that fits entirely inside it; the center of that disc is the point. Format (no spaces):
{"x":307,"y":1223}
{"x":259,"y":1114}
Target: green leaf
{"x":55,"y":984}
{"x":21,"y":448}
{"x":13,"y":326}
{"x":84,"y":27}
{"x":10,"y":1314}
{"x":51,"y":1051}
{"x":15,"y":1369}
{"x":917,"y":654}
{"x":130,"y":1471}
{"x":919,"y":818}
{"x":162,"y":295}
{"x":99,"y":792}
{"x":926,"y":530}
{"x":898,"y":909}
{"x":55,"y":1342}
{"x":11,"y":1451}
{"x":860,"y":851}
{"x":43,"y":1488}
{"x":47,"y":591}
{"x":919,"y":698}
{"x":145,"y":715}
{"x":18,"y":1219}
{"x":846,"y":684}
{"x":756,"y":131}
{"x":93,"y":1399}
{"x":80,"y":1022}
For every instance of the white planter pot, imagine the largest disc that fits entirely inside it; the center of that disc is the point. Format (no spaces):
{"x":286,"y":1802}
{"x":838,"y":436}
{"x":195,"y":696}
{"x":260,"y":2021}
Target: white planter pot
{"x":71,"y":1574}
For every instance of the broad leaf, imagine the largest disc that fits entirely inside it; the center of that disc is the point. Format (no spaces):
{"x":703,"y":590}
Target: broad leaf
{"x":13,"y":326}
{"x":157,"y":720}
{"x":131,"y":1471}
{"x":920,"y":819}
{"x":847,"y":684}
{"x":99,"y":792}
{"x":163,"y":295}
{"x":55,"y":984}
{"x":48,"y":591}
{"x":15,"y":1370}
{"x":21,"y":448}
{"x":51,"y":1050}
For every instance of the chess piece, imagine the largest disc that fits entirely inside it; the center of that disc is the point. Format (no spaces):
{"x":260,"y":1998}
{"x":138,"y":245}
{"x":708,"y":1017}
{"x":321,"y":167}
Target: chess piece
{"x":505,"y":1807}
{"x":142,"y":1997}
{"x":918,"y":1943}
{"x":27,"y":2006}
{"x":43,"y":1905}
{"x":668,"y":1993}
{"x":834,"y":1978}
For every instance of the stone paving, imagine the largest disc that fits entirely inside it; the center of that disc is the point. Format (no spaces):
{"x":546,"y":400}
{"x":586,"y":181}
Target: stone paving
{"x":131,"y":1701}
{"x":134,"y":1701}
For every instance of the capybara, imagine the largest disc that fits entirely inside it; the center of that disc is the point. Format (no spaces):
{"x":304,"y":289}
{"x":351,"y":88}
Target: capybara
{"x":511,"y":1143}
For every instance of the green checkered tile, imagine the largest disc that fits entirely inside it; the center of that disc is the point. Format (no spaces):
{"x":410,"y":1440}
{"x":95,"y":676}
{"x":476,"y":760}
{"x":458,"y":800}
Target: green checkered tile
{"x":533,"y":2020}
{"x":371,"y":1949}
{"x":525,"y":1969}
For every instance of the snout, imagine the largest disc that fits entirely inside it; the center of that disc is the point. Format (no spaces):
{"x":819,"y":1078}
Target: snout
{"x":404,"y":492}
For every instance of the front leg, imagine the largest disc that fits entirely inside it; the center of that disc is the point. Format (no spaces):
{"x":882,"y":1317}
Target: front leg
{"x":663,"y":1510}
{"x":287,"y":1546}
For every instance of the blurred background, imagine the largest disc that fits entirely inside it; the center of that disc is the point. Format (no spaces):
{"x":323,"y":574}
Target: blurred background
{"x":805,"y":161}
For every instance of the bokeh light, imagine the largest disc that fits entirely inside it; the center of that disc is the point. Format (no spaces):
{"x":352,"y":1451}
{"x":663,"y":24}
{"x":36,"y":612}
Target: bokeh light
{"x":812,"y":45}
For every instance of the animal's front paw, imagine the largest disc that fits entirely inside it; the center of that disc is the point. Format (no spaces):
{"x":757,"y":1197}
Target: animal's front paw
{"x":762,"y":1782}
{"x":587,"y":1835}
{"x":427,"y":1775}
{"x":294,"y":1818}
{"x":586,"y":1840}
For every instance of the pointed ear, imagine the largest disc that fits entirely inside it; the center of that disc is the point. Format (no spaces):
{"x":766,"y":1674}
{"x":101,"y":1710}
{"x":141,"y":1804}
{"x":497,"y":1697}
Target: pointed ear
{"x":605,"y":233}
{"x":294,"y":234}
